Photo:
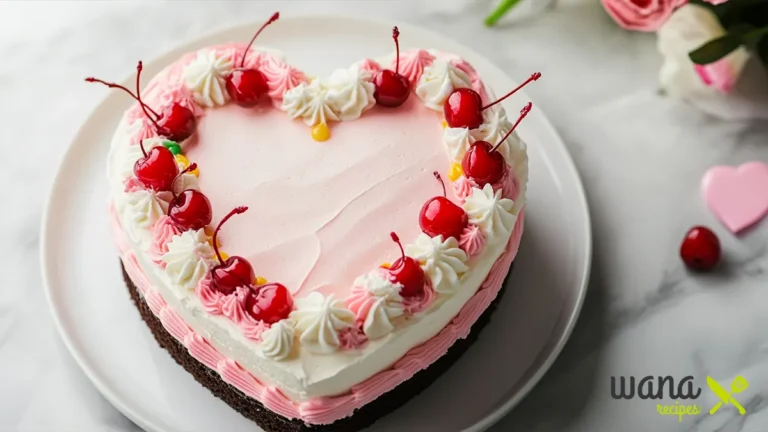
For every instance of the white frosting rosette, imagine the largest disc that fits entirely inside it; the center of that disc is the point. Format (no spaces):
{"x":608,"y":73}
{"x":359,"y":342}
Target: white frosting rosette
{"x":312,"y":102}
{"x":351,"y":92}
{"x":206,"y":78}
{"x":438,"y":81}
{"x":277,"y":341}
{"x":457,"y":142}
{"x":188,"y":258}
{"x":492,"y":213}
{"x":319,"y":320}
{"x":383,"y":301}
{"x":442,"y":260}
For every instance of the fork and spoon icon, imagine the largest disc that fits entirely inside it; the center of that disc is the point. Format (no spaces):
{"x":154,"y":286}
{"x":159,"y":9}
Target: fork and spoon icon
{"x":738,"y":385}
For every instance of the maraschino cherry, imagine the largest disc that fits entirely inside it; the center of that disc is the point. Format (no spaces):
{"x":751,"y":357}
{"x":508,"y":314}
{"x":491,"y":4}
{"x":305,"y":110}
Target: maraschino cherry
{"x":440,"y":216}
{"x":485,"y":164}
{"x":464,"y":107}
{"x":190,"y":209}
{"x":270,"y":303}
{"x":700,"y":249}
{"x":407,"y":272}
{"x":157,"y":169}
{"x":176,"y":122}
{"x":236,"y":271}
{"x":246,"y":86}
{"x":392,"y":89}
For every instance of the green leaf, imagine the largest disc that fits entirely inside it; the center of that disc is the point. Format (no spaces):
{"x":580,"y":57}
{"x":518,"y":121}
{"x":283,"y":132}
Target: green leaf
{"x":715,"y":49}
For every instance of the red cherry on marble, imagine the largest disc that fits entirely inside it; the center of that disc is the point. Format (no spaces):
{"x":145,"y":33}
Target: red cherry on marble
{"x":464,"y":107}
{"x":485,"y":164}
{"x":236,"y":271}
{"x":440,"y":216}
{"x":700,"y":249}
{"x":176,"y":121}
{"x":157,"y":169}
{"x":392,"y":89}
{"x":247,"y":86}
{"x":270,"y":303}
{"x":407,"y":272}
{"x":190,"y":209}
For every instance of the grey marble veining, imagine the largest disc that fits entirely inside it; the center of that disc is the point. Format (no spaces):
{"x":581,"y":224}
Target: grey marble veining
{"x":641,"y":156}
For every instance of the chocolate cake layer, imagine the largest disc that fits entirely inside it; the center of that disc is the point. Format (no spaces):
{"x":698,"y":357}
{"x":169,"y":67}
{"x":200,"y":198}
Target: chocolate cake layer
{"x":272,"y":422}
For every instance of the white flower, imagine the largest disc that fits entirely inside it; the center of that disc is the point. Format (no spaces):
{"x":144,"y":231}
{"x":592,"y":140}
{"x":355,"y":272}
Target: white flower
{"x":688,"y":28}
{"x":490,"y":212}
{"x":206,"y":77}
{"x":188,"y":258}
{"x":442,"y":261}
{"x":319,"y":321}
{"x":277,"y":341}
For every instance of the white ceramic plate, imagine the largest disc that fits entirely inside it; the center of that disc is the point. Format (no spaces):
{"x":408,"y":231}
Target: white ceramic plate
{"x":110,"y":342}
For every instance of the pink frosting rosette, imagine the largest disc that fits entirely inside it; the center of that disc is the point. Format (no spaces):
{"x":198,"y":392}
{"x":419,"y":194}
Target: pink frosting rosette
{"x":641,"y":15}
{"x":162,"y":234}
{"x":472,"y":240}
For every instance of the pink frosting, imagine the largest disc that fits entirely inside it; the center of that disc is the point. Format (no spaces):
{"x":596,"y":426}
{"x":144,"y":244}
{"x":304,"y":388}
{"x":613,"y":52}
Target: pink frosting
{"x":472,"y":240}
{"x":418,"y":303}
{"x":412,"y":64}
{"x":132,"y":184}
{"x":369,"y":65}
{"x":231,"y":306}
{"x":162,"y":234}
{"x":352,"y":338}
{"x":324,"y":410}
{"x":360,"y":303}
{"x":510,"y":186}
{"x":462,"y":188}
{"x":281,"y":77}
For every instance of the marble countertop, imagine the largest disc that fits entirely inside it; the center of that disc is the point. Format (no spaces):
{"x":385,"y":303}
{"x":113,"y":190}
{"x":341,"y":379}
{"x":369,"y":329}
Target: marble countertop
{"x":641,"y":156}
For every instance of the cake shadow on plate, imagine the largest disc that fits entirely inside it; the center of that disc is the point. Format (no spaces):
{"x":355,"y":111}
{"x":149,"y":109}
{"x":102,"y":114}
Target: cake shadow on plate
{"x":272,"y":422}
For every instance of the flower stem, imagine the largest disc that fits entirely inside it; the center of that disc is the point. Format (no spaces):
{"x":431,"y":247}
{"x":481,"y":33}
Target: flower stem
{"x":500,"y":11}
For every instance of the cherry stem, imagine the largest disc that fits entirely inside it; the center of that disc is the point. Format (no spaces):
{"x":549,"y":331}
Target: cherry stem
{"x":533,"y":77}
{"x":272,"y":19}
{"x":395,"y":35}
{"x":236,"y":210}
{"x":396,"y":239}
{"x":191,"y":167}
{"x":442,"y":183}
{"x":523,"y":112}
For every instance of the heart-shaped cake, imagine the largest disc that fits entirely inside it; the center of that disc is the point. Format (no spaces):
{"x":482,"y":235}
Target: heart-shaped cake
{"x":316,"y":251}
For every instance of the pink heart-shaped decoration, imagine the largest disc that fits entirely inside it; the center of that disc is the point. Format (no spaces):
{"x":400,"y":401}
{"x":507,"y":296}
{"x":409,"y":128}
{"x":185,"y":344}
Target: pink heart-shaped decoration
{"x":737,"y":196}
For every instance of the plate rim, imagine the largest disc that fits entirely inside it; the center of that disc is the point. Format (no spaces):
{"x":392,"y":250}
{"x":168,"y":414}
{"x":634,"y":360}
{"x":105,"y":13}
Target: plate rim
{"x":492,"y":417}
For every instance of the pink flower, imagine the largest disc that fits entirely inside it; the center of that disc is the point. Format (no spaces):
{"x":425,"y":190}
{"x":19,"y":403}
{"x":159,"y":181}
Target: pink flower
{"x":641,"y":15}
{"x":720,"y":75}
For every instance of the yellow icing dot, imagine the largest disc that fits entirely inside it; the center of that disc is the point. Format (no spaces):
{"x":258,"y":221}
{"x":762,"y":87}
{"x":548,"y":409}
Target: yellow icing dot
{"x":182,"y":160}
{"x":456,"y":172}
{"x":386,"y":265}
{"x":444,"y":124}
{"x":321,"y":132}
{"x":260,"y":280}
{"x":224,"y":255}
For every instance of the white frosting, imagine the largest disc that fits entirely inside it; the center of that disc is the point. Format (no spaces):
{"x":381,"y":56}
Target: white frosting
{"x":387,"y":307}
{"x":206,"y":77}
{"x":310,"y":102}
{"x":277,"y":341}
{"x":492,"y":213}
{"x":495,"y":126}
{"x":319,"y":320}
{"x":188,"y":258}
{"x":438,"y":81}
{"x":457,"y":142}
{"x":351,"y":92}
{"x":142,"y":208}
{"x":184,"y":182}
{"x":442,"y":260}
